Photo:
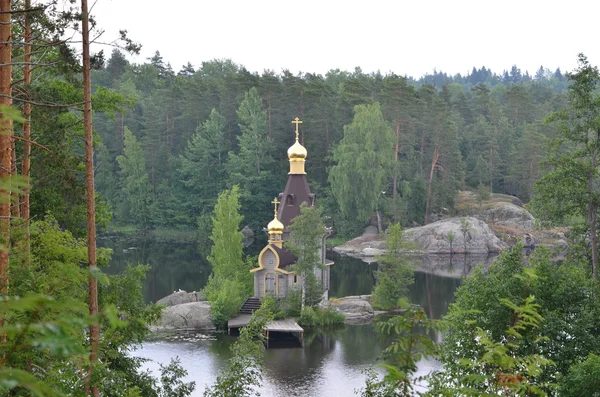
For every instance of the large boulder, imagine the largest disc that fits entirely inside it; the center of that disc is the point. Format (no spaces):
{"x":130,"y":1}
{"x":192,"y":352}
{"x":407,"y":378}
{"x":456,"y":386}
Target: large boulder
{"x":179,"y":297}
{"x":506,"y":214}
{"x":455,"y":235}
{"x":188,"y":316}
{"x":357,"y":309}
{"x":443,"y":237}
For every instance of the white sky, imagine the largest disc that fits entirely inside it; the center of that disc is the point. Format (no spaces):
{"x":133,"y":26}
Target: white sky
{"x":406,"y":37}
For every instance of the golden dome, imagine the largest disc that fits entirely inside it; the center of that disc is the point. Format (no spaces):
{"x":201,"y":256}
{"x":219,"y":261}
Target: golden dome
{"x":297,"y":151}
{"x":275,"y":226}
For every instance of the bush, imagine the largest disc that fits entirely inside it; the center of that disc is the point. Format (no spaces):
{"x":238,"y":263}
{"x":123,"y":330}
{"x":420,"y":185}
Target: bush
{"x":226,"y":301}
{"x":583,"y":379}
{"x":292,"y":303}
{"x":312,"y":317}
{"x":273,"y":306}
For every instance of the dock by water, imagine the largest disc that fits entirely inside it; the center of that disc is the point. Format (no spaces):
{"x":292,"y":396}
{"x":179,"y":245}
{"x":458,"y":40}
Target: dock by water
{"x":285,"y":326}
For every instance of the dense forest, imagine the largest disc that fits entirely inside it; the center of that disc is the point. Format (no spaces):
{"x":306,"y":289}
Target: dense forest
{"x":91,"y":141}
{"x":187,"y":135}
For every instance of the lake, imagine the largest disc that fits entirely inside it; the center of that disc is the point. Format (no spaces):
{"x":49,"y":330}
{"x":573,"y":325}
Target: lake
{"x":331,"y":363}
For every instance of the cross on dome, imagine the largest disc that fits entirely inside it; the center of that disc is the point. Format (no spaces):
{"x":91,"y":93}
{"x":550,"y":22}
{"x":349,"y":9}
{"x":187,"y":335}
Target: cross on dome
{"x":297,"y":121}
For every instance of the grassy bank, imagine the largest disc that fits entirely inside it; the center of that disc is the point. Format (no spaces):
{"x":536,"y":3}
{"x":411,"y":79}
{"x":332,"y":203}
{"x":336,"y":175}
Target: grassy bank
{"x":336,"y":241}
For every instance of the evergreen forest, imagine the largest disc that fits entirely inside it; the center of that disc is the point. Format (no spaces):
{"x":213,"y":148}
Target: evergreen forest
{"x":184,"y":136}
{"x":92,"y":144}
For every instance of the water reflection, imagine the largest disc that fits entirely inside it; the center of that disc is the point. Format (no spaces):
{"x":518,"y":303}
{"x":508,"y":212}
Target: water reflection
{"x":331,"y":362}
{"x":173,"y":266}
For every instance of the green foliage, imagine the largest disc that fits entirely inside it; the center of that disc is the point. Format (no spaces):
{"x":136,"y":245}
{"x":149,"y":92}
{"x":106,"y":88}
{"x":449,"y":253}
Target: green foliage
{"x":503,"y":366}
{"x":401,"y":357}
{"x":480,"y":126}
{"x":136,"y":189}
{"x":306,"y":238}
{"x":252,"y":168}
{"x":171,"y":384}
{"x":292,"y":303}
{"x":493,"y":301}
{"x":395,"y":271}
{"x":364,"y":158}
{"x":316,"y":317}
{"x":583,"y":379}
{"x":203,"y":164}
{"x":230,"y":282}
{"x":568,"y":187}
{"x":46,"y":320}
{"x":274,"y":306}
{"x":243,"y":373}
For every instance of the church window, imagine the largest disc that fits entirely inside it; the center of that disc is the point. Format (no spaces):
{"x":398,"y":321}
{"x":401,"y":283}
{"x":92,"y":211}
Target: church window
{"x":295,"y":279}
{"x":289,"y":200}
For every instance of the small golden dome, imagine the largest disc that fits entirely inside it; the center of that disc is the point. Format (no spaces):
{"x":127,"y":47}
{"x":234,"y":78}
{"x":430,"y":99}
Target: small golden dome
{"x":275,"y":226}
{"x":297,"y":151}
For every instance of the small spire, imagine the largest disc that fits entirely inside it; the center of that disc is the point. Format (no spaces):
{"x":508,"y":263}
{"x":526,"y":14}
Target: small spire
{"x":297,"y":122}
{"x":275,"y":202}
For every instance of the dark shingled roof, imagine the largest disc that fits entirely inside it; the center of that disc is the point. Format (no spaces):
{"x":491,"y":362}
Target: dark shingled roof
{"x":297,"y":188}
{"x":286,"y":258}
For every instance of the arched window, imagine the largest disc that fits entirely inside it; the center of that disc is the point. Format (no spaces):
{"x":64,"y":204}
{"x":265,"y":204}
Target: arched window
{"x":289,"y":200}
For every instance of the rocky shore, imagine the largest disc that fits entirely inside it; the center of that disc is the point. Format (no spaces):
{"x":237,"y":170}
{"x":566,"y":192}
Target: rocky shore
{"x":490,"y":227}
{"x":185,"y":312}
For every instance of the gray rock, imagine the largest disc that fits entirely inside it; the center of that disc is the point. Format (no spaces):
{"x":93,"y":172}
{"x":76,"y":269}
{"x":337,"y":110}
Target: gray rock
{"x":248,"y":233}
{"x":372,"y":251}
{"x":505,"y":197}
{"x":507,"y":214}
{"x":193,"y":315}
{"x":357,"y":309}
{"x":528,"y":240}
{"x":435,"y":237}
{"x":180,"y":297}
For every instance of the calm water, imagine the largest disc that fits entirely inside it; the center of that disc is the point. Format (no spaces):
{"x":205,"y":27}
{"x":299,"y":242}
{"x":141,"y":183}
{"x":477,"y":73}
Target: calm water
{"x":330,"y":364}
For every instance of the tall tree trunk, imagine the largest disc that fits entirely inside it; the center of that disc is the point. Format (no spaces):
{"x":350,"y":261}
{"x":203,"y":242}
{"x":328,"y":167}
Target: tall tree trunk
{"x":434,"y":160}
{"x":269,"y":119}
{"x":6,"y":130}
{"x":90,"y":201}
{"x":26,"y":163}
{"x":592,"y":212}
{"x":491,"y":169}
{"x":379,"y":227}
{"x":422,"y":150}
{"x":396,"y":150}
{"x":594,"y":238}
{"x":15,"y":208}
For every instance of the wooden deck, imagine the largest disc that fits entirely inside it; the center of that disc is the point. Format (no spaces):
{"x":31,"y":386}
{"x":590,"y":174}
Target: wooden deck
{"x":239,"y":321}
{"x":288,"y":325}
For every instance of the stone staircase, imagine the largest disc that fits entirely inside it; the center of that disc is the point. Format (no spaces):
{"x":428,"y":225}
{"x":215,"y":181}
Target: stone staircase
{"x":250,"y":305}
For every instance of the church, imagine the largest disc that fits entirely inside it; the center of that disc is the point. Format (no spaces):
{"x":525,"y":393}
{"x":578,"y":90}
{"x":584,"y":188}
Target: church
{"x":273,"y":275}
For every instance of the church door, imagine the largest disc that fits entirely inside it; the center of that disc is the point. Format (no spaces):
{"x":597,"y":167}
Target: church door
{"x":270,"y":285}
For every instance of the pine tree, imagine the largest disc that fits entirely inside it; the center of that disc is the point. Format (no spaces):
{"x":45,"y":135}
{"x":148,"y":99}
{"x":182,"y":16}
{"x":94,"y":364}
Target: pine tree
{"x":202,"y":168}
{"x":252,"y":168}
{"x":568,"y":189}
{"x":135,"y":185}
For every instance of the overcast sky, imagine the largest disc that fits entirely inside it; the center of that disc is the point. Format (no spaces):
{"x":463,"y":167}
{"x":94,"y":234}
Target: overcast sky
{"x":406,"y":37}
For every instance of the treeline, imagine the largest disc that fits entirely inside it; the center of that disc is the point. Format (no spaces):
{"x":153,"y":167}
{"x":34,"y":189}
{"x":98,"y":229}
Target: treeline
{"x":198,"y":131}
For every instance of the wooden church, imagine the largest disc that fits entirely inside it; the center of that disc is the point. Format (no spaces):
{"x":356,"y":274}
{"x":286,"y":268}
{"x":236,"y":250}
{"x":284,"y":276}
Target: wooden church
{"x":273,"y":276}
